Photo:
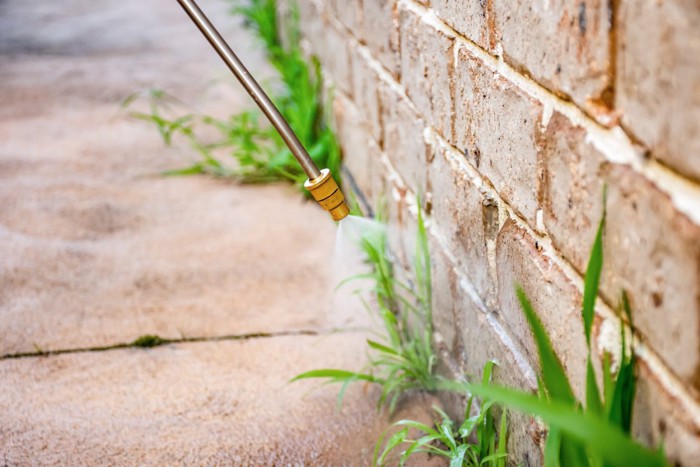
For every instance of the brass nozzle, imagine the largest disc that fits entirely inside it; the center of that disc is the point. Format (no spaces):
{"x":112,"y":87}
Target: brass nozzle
{"x":324,"y":190}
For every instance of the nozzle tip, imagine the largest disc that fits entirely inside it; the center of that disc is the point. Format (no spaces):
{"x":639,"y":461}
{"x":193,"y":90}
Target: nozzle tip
{"x":324,"y":190}
{"x":341,"y":212}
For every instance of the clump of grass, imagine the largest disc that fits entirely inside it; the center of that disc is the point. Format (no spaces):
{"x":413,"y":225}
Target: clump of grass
{"x":258,"y":153}
{"x":403,"y":358}
{"x":599,"y":432}
{"x":148,"y":341}
{"x":475,"y":442}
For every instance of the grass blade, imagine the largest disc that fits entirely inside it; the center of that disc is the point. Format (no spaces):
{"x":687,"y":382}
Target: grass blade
{"x":611,"y":443}
{"x":553,"y":376}
{"x":336,"y":375}
{"x":382,"y":348}
{"x":458,"y":456}
{"x":592,"y":279}
{"x":552,"y":448}
{"x":502,"y":440}
{"x":593,"y":402}
{"x":395,"y":440}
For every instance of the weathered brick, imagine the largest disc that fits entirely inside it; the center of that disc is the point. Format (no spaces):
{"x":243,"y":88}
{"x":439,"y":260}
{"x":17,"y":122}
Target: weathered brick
{"x":653,"y":252}
{"x":658,"y":79}
{"x":354,"y":141}
{"x":403,"y":138}
{"x":377,"y":190}
{"x":462,"y":215}
{"x":348,"y":12}
{"x":663,"y":279}
{"x":333,"y":50}
{"x":445,"y":323}
{"x":471,"y":338}
{"x":366,"y":92}
{"x":426,"y":68}
{"x":373,"y":185}
{"x":556,"y":300}
{"x":361,"y":156}
{"x":565,"y":45}
{"x":572,"y":198}
{"x":401,"y":227}
{"x":468,"y":17}
{"x":496,"y":126}
{"x":483,"y":341}
{"x":283,"y":20}
{"x":659,"y":420}
{"x":312,"y":25}
{"x":381,"y":32}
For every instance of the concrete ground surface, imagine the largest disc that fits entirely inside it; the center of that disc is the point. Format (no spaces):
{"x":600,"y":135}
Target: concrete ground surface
{"x":97,"y":249}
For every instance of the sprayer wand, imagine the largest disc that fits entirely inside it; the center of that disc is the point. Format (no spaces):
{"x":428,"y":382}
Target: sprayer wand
{"x":320,"y":184}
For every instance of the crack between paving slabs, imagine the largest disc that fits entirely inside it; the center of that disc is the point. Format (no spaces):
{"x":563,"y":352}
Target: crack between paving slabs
{"x":158,"y":341}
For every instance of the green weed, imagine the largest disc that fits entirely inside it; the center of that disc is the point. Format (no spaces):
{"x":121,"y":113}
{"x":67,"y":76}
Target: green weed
{"x":474,"y":443}
{"x":597,"y":434}
{"x":403,"y":358}
{"x":258,"y":153}
{"x":148,"y":341}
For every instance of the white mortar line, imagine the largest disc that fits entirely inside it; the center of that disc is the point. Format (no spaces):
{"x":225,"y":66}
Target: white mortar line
{"x":613,"y":144}
{"x":520,"y":360}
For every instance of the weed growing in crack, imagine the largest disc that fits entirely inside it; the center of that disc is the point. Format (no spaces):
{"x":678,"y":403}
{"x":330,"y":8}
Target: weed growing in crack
{"x":475,"y":442}
{"x":403,"y":358}
{"x":148,"y":341}
{"x":259,"y":154}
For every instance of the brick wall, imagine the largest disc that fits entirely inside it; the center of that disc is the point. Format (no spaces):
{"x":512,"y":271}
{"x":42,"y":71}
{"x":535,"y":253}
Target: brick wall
{"x":509,"y":117}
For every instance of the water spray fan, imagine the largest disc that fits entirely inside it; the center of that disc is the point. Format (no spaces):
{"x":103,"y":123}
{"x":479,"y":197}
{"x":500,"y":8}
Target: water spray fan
{"x":320,"y":184}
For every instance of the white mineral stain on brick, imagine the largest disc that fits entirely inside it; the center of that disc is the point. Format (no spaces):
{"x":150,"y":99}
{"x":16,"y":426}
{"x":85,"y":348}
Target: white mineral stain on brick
{"x":608,"y":342}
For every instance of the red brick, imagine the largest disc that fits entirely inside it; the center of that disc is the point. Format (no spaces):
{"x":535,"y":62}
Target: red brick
{"x":426,"y":69}
{"x":658,"y":79}
{"x":564,"y":45}
{"x":496,"y":125}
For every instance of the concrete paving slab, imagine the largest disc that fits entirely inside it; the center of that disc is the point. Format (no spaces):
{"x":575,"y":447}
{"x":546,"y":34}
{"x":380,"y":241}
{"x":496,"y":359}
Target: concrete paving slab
{"x":191,"y":404}
{"x":97,"y":249}
{"x":95,"y":246}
